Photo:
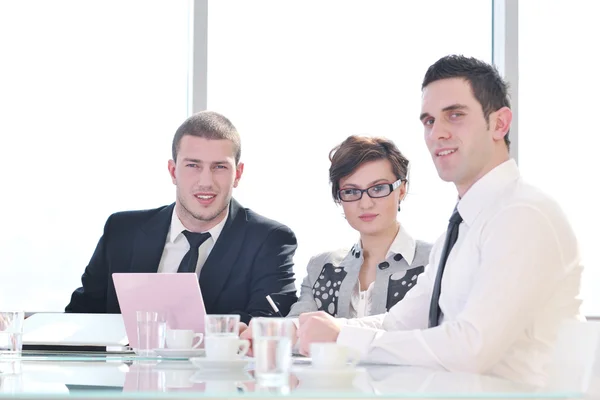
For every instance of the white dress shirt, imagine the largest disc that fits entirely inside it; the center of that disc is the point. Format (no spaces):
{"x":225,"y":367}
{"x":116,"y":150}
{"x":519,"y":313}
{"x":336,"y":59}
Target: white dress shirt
{"x":360,"y":303}
{"x":512,"y":277}
{"x":177,"y":245}
{"x":361,"y":300}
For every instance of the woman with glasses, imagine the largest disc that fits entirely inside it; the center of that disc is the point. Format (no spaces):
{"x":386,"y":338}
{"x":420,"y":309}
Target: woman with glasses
{"x":369,"y":179}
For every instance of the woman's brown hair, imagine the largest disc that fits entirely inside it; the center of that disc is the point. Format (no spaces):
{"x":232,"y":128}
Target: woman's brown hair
{"x":357,"y":150}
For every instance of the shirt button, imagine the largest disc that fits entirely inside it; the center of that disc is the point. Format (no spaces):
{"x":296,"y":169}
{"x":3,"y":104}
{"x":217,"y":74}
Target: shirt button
{"x":398,"y":257}
{"x":384,"y":265}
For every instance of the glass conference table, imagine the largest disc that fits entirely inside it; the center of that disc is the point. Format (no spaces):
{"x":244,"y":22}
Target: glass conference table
{"x":110,"y":376}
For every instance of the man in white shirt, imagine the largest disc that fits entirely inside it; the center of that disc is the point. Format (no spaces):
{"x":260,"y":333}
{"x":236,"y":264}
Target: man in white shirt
{"x":512,"y":273}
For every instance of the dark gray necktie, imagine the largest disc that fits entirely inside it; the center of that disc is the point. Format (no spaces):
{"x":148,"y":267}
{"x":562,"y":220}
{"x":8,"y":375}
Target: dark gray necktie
{"x":451,"y":236}
{"x":189,"y":261}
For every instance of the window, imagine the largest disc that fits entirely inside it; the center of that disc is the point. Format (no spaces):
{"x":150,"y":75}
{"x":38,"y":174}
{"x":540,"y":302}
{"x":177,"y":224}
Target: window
{"x":298,"y":77}
{"x":92,"y":93}
{"x":558,"y":101}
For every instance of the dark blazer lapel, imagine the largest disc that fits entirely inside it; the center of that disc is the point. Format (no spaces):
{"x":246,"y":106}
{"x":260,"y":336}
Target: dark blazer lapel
{"x":219,"y":263}
{"x":149,"y":241}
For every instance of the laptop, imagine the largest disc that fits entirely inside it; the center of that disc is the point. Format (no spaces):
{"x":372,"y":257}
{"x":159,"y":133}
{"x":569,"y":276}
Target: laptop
{"x":176,"y":294}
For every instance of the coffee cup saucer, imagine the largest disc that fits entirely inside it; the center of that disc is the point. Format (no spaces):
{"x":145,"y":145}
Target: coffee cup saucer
{"x":217,"y":364}
{"x":180,"y":353}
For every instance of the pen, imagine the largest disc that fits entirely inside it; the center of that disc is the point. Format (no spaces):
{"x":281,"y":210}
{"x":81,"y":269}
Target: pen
{"x":273,"y":306}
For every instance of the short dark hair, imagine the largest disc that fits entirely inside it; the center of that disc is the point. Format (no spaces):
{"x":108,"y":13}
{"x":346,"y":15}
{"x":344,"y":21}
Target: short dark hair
{"x":208,"y":125}
{"x":357,"y":150}
{"x":488,"y":87}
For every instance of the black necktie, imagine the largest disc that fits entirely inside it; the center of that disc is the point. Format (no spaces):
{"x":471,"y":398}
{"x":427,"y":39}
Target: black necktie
{"x":189,"y":261}
{"x":451,"y":236}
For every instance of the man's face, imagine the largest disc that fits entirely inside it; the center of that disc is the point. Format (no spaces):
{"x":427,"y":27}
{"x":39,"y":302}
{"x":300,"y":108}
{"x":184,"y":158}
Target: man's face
{"x":205,"y":174}
{"x":458,"y":137}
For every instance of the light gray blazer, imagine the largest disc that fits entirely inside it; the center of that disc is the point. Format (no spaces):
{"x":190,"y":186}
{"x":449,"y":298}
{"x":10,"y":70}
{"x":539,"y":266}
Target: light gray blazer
{"x":332,"y":276}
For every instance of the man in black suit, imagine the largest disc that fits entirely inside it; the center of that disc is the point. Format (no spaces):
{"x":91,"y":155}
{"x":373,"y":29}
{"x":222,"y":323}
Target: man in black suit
{"x":239,"y":255}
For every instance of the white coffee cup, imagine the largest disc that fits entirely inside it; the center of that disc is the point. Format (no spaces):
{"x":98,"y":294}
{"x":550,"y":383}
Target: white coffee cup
{"x":183,"y":339}
{"x":226,"y":347}
{"x":332,"y":356}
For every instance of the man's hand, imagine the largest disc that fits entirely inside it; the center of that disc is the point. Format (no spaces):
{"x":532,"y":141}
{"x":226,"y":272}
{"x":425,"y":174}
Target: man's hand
{"x":317,"y":327}
{"x":246,"y":333}
{"x":242,"y":327}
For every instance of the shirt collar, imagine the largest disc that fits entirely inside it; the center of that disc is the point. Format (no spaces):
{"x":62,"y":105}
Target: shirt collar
{"x":177,"y":227}
{"x":486,"y":190}
{"x":403,"y":244}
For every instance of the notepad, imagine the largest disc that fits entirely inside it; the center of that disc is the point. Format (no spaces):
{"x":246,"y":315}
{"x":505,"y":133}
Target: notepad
{"x":58,"y":329}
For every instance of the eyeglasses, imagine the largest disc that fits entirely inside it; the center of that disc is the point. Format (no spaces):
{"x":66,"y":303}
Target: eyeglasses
{"x":374,"y":192}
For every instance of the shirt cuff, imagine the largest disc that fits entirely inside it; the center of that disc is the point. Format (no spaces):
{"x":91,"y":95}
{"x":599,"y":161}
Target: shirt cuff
{"x":357,"y":338}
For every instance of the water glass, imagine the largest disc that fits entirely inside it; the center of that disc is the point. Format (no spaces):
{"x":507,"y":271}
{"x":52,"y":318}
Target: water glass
{"x":11,"y":333}
{"x":272,"y":348}
{"x":151,"y":330}
{"x":221,"y":325}
{"x":221,"y":337}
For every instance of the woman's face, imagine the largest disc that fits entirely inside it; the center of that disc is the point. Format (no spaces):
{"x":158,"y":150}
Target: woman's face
{"x":371,"y":216}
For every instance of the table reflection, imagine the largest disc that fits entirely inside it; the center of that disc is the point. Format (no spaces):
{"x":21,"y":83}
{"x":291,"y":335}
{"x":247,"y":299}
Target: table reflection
{"x":122,"y":377}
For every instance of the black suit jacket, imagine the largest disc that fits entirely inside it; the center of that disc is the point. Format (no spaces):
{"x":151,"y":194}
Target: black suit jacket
{"x":252,"y":258}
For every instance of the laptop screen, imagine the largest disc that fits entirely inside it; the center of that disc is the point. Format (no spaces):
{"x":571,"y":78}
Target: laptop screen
{"x":177,"y":295}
